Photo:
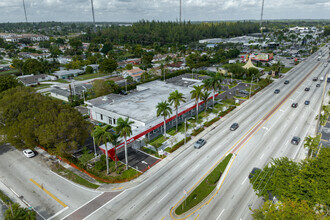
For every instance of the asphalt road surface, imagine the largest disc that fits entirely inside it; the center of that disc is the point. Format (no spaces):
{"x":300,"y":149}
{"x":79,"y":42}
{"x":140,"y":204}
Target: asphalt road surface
{"x":48,"y":193}
{"x":154,"y":198}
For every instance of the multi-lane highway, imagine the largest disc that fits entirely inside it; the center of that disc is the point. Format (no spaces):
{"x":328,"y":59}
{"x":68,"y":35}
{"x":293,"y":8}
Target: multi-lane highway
{"x":267,"y":124}
{"x":275,"y":123}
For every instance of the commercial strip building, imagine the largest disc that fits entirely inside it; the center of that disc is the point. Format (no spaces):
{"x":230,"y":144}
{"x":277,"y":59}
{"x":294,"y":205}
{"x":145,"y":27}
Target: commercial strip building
{"x":140,"y":107}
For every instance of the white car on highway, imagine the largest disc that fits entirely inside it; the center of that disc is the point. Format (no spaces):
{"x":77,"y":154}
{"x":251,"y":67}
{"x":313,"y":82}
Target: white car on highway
{"x":29,"y":153}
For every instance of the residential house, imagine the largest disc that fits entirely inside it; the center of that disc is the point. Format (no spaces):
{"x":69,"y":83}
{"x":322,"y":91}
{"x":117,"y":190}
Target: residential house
{"x":33,"y":80}
{"x":65,"y":74}
{"x":135,"y":73}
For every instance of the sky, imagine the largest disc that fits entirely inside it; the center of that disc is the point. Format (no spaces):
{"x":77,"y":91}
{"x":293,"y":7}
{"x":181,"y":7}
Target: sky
{"x":164,"y":10}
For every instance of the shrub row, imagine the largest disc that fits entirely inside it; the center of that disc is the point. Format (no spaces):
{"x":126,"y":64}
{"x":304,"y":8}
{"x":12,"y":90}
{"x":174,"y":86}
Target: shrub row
{"x":177,"y":145}
{"x":196,"y":132}
{"x":209,"y":123}
{"x":227,"y":111}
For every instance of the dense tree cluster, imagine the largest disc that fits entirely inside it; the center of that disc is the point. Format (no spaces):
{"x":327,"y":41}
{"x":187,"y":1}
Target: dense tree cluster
{"x":7,"y":82}
{"x":288,"y":180}
{"x":33,"y":66}
{"x":28,"y":119}
{"x":150,"y":32}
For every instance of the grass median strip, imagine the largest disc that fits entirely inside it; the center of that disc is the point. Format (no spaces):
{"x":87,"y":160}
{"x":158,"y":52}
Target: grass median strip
{"x":204,"y":188}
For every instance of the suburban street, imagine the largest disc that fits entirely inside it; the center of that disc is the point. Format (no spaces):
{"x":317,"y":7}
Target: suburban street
{"x":27,"y":177}
{"x":154,"y":198}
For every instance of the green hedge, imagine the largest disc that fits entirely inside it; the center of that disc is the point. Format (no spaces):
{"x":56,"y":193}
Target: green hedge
{"x":196,"y":132}
{"x":177,"y":145}
{"x":209,"y":123}
{"x":227,"y":111}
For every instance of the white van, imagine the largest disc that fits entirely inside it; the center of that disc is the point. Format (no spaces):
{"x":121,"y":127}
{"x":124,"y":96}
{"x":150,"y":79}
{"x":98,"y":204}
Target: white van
{"x":321,"y":78}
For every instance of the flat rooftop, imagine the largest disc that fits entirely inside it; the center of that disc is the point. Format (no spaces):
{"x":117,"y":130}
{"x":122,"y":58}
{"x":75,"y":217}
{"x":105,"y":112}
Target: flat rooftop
{"x":141,"y":104}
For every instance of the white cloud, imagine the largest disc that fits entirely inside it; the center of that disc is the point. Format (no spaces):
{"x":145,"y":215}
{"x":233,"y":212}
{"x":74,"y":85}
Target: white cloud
{"x":132,"y":10}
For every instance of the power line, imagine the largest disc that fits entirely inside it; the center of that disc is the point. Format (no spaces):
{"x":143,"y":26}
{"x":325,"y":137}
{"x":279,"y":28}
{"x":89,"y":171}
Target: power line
{"x":25,"y":12}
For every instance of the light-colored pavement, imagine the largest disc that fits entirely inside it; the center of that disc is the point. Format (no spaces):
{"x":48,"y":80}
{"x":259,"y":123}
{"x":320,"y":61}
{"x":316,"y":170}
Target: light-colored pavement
{"x":154,"y":198}
{"x":31,"y":179}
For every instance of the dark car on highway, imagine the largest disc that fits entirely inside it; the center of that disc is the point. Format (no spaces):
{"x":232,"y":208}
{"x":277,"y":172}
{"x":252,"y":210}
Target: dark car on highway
{"x":286,"y":82}
{"x":294,"y":105}
{"x":307,"y":89}
{"x":254,"y":170}
{"x":234,"y":126}
{"x":277,"y":91}
{"x":295,"y":140}
{"x":318,"y":85}
{"x":315,"y":78}
{"x":306,"y":102}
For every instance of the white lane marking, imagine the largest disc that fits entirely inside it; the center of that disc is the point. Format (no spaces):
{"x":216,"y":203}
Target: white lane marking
{"x":163,"y":197}
{"x":262,"y":156}
{"x":281,"y":110}
{"x":244,"y":180}
{"x":184,"y":163}
{"x":220,"y":214}
{"x":195,"y":168}
{"x":151,"y":191}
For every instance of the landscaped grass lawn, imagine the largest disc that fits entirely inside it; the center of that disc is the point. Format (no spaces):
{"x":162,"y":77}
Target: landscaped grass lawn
{"x":158,"y":141}
{"x":90,"y":76}
{"x":172,"y":131}
{"x":73,"y":177}
{"x":204,"y":188}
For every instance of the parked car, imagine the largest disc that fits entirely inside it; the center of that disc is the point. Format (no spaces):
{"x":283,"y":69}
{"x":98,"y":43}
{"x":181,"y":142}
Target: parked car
{"x":199,"y":143}
{"x":28,"y":153}
{"x":307,"y":89}
{"x":315,"y":78}
{"x":234,"y":126}
{"x":244,"y":92}
{"x":306,"y":102}
{"x":318,"y":85}
{"x":286,"y":82}
{"x":294,"y":105}
{"x":295,"y":140}
{"x":277,"y":91}
{"x":254,"y":170}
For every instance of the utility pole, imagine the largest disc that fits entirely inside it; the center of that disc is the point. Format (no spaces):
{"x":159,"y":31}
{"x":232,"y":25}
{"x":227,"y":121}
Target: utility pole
{"x":180,"y":11}
{"x":25,"y":12}
{"x":93,"y":15}
{"x":262,"y":13}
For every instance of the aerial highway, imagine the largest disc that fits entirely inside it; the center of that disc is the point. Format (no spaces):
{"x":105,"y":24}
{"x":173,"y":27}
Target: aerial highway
{"x":267,"y":125}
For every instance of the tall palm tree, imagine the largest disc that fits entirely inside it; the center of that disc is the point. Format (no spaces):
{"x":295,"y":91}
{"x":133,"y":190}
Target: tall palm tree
{"x":196,"y":94}
{"x":205,"y":97}
{"x":124,"y":129}
{"x":164,"y":109}
{"x":213,"y":83}
{"x":175,"y":99}
{"x":103,"y":134}
{"x":115,"y":141}
{"x":311,"y":144}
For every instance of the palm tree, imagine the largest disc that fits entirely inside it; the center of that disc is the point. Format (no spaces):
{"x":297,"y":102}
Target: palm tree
{"x":196,"y":94}
{"x":175,"y":98}
{"x":164,"y":109}
{"x":103,"y":134}
{"x":311,"y":144}
{"x":115,"y":142}
{"x":125,"y":130}
{"x":213,"y":83}
{"x":205,"y":97}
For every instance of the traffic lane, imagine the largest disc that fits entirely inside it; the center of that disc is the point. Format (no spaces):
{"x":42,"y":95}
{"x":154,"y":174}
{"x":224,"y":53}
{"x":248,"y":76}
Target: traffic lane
{"x":267,"y":144}
{"x":42,"y":189}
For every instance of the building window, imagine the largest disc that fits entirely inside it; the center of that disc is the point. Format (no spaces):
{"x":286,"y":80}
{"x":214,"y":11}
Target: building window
{"x":110,"y":120}
{"x":101,"y":116}
{"x":114,"y":121}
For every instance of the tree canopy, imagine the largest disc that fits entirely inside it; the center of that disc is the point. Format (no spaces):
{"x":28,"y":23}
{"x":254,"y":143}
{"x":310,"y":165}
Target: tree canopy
{"x":288,"y":180}
{"x":28,"y":119}
{"x":7,"y":82}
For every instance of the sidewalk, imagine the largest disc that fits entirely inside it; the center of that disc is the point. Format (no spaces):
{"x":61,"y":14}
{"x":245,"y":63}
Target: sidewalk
{"x":13,"y":195}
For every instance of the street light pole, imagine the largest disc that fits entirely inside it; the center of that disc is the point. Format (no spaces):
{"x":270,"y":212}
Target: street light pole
{"x":185,"y":130}
{"x":251,"y":86}
{"x":126,"y":85}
